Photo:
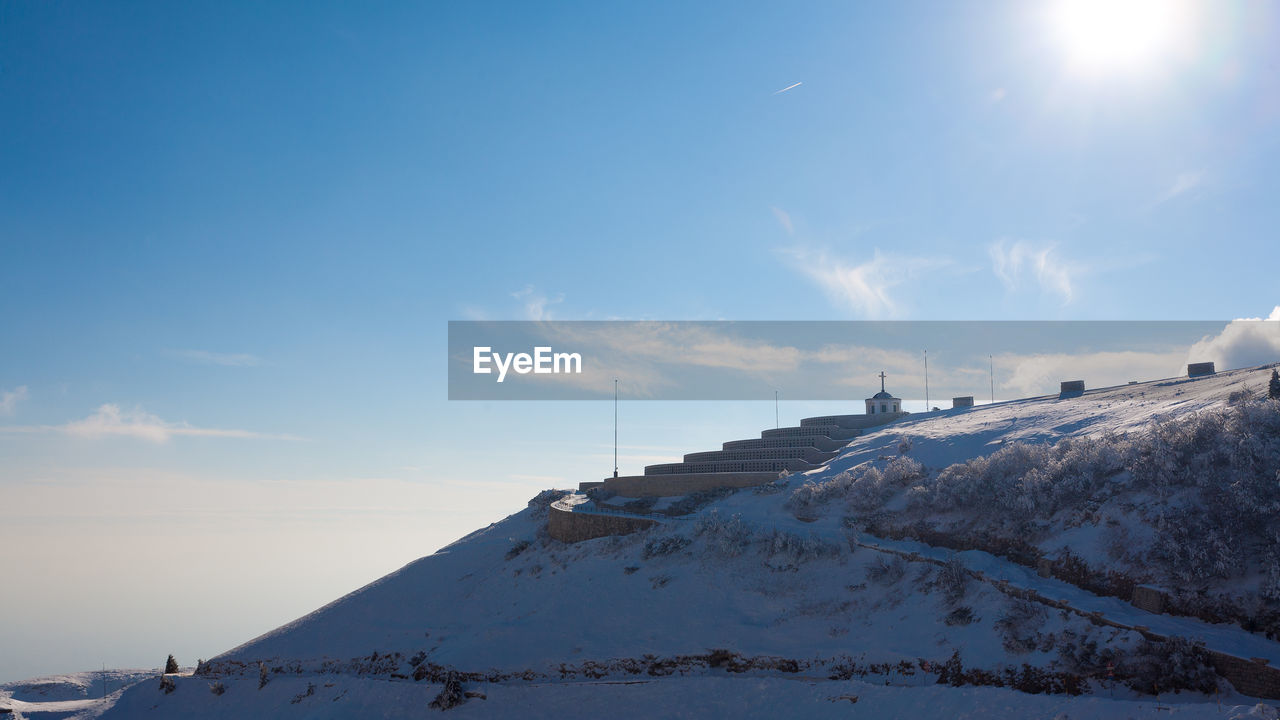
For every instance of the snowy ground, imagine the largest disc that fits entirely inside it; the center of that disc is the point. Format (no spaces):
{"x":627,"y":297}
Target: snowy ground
{"x":688,"y":697}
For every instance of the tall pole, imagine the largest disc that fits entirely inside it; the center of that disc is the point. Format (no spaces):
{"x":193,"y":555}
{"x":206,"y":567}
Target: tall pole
{"x":776,"y":422}
{"x":992,"y":368}
{"x":926,"y":381}
{"x":615,"y":427}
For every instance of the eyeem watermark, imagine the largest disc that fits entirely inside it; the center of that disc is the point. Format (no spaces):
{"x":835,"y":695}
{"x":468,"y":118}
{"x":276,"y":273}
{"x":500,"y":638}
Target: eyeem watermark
{"x":542,"y":362}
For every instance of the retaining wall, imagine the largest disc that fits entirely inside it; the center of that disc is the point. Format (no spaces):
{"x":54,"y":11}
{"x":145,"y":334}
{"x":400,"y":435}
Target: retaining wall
{"x":571,"y":527}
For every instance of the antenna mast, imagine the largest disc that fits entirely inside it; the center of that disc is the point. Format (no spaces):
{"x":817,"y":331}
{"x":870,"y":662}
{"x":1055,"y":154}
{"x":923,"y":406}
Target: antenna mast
{"x":926,"y":381}
{"x":992,"y":369}
{"x":615,"y":427}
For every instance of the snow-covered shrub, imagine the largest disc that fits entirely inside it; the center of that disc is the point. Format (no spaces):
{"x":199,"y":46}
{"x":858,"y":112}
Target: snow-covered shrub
{"x":1195,"y":547}
{"x":728,"y":536}
{"x":217,"y":688}
{"x":953,"y":579}
{"x":962,"y":615}
{"x":864,"y":487}
{"x":787,"y":550}
{"x":886,"y":572}
{"x":1020,"y":625}
{"x":451,"y":695}
{"x":167,"y":685}
{"x":1174,"y":664}
{"x":1080,"y":654}
{"x":661,"y":546}
{"x":904,"y":444}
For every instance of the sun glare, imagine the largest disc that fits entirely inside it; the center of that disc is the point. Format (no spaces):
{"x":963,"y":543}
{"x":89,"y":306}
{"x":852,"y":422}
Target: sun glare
{"x":1120,"y":35}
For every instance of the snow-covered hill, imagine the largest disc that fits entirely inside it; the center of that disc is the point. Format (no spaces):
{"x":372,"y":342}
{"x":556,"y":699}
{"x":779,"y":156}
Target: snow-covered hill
{"x":783,"y":600}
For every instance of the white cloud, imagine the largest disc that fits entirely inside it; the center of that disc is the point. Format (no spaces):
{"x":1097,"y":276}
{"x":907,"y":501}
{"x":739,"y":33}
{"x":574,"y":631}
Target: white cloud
{"x":1014,"y":262}
{"x":9,"y":399}
{"x":206,"y":357}
{"x":1039,"y":374}
{"x":535,"y":303}
{"x":863,"y":288}
{"x":1245,"y":342}
{"x":110,"y":420}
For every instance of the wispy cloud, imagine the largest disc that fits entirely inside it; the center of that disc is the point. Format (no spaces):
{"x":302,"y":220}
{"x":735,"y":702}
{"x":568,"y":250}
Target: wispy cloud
{"x":1014,"y":262}
{"x":110,"y":420}
{"x":536,"y":303}
{"x":863,"y":287}
{"x":789,"y":87}
{"x":784,"y":219}
{"x":9,"y":399}
{"x":205,"y":357}
{"x":1184,"y":182}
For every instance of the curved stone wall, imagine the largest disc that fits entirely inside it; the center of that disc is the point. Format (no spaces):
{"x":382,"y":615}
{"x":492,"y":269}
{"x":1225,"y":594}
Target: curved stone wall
{"x":568,"y":526}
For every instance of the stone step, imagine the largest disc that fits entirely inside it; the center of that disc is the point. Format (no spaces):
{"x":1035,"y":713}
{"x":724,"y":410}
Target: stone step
{"x":810,"y":455}
{"x":834,"y":432}
{"x":820,"y":442}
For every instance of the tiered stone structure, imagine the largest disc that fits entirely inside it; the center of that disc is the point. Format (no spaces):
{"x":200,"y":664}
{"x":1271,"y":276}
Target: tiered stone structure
{"x":743,"y":463}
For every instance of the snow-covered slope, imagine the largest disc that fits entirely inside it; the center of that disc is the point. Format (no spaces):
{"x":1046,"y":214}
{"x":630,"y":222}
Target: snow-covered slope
{"x":749,"y":602}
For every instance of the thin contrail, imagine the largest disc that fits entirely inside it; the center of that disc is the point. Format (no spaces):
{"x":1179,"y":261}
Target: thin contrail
{"x":788,"y":88}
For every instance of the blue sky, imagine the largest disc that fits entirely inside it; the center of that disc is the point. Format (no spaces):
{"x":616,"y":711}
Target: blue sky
{"x":231,"y":237}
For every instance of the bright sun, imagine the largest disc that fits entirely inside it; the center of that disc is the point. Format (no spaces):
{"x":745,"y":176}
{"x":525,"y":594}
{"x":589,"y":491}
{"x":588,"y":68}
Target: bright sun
{"x":1120,"y":35}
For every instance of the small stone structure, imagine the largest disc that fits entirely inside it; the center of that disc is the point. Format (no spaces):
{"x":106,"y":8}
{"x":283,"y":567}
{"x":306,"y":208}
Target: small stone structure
{"x":1151,"y":599}
{"x":1071,"y":388}
{"x":964,"y":401}
{"x":1200,"y":369}
{"x":883,"y":403}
